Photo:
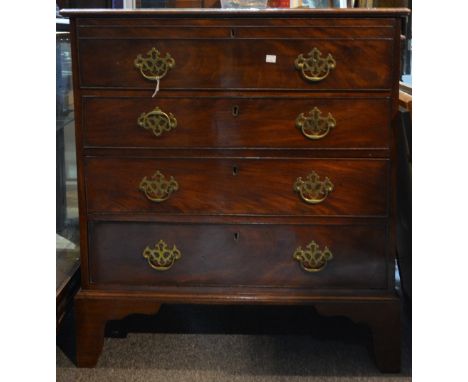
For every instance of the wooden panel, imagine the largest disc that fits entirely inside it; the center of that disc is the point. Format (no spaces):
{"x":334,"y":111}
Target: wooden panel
{"x":303,"y":21}
{"x":261,"y":122}
{"x":233,"y":255}
{"x":201,"y":64}
{"x":238,"y":186}
{"x":144,"y":30}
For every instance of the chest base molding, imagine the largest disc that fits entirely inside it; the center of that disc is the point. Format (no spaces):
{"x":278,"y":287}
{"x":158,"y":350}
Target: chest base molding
{"x":380,"y":313}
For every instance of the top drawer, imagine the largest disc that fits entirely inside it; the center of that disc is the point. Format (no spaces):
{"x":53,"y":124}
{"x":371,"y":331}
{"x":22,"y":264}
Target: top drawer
{"x":229,"y":58}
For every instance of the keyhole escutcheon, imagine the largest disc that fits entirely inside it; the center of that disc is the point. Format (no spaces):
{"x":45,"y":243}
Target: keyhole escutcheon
{"x":235,"y":110}
{"x":236,"y":236}
{"x":235,"y":170}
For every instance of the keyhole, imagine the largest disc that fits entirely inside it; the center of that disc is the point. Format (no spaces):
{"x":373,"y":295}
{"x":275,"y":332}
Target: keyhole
{"x":233,"y":33}
{"x":235,"y":110}
{"x":235,"y":170}
{"x":236,"y":236}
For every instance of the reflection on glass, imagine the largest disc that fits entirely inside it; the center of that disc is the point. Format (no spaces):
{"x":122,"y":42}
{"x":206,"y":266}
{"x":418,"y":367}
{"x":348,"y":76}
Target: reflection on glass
{"x":170,"y":4}
{"x":67,"y":230}
{"x":239,"y":3}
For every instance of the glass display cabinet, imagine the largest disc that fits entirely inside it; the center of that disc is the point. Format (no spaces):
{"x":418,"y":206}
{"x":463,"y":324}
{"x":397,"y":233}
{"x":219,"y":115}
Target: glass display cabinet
{"x":67,"y":227}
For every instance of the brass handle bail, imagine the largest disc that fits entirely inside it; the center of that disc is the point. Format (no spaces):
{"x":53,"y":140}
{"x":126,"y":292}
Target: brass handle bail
{"x":154,"y":66}
{"x":161,"y":257}
{"x":157,"y":188}
{"x":312,"y":259}
{"x":313,"y":125}
{"x":157,"y":121}
{"x":312,"y":190}
{"x":314,"y":67}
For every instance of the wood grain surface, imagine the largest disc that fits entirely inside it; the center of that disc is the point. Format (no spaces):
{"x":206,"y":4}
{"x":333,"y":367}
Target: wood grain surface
{"x":238,"y":186}
{"x":238,"y":255}
{"x":203,"y":63}
{"x":210,"y":122}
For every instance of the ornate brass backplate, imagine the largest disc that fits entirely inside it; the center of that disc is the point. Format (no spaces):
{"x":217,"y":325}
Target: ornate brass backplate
{"x":314,"y":67}
{"x":157,"y":121}
{"x":313,"y":190}
{"x":313,"y":125}
{"x":154,"y":66}
{"x":312,"y":259}
{"x":157,"y":188}
{"x":161,"y":257}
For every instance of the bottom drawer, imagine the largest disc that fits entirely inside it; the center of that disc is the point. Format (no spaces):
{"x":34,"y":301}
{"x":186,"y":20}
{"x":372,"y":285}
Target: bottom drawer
{"x":270,"y":255}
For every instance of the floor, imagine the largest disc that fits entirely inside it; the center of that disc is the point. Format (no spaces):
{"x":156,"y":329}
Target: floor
{"x":232,"y":343}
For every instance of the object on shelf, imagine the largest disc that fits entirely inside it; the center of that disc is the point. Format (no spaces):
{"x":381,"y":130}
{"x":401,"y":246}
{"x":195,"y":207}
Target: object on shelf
{"x":245,"y":3}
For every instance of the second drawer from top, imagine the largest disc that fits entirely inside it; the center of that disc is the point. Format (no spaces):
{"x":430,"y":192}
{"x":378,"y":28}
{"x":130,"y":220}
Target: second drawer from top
{"x":236,"y":122}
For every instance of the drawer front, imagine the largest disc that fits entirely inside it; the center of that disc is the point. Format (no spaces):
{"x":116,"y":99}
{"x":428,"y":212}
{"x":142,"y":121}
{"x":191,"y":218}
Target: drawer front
{"x":224,"y":28}
{"x":239,"y":63}
{"x":238,"y":186}
{"x":236,"y":122}
{"x":236,"y":255}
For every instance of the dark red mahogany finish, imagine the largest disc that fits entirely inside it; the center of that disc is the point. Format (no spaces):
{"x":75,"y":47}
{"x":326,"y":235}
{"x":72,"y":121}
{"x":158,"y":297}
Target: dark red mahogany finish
{"x":236,"y":152}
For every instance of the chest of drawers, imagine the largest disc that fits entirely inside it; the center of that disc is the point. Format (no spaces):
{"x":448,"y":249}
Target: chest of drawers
{"x":260,"y":172}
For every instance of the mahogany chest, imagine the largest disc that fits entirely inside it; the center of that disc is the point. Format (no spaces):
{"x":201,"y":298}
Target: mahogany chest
{"x":242,"y":157}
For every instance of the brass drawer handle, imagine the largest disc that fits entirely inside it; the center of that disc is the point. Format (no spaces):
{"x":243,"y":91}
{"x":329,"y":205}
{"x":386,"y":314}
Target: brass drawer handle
{"x":314,"y":126}
{"x":161,"y":257}
{"x":157,"y":188}
{"x":313,"y":190}
{"x":157,"y":121}
{"x":314,"y":67}
{"x":154,"y":66}
{"x":312,"y":259}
